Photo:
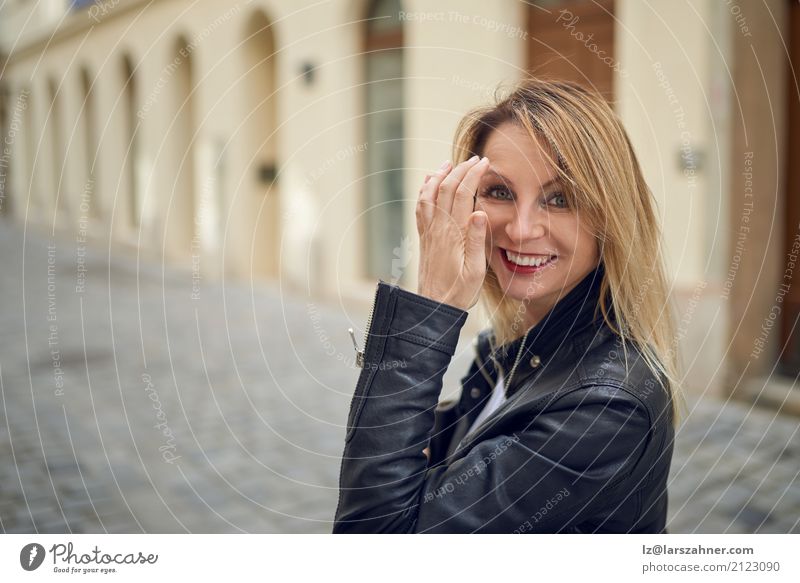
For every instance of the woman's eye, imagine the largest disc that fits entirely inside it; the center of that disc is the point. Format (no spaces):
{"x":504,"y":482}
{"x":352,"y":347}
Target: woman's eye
{"x":558,"y":199}
{"x":497,"y":192}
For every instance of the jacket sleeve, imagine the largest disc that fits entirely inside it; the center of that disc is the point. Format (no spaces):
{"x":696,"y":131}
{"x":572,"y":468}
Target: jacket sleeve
{"x":540,"y":479}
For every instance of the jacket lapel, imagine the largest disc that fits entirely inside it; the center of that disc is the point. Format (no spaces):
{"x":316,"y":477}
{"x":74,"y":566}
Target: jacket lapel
{"x":570,"y":316}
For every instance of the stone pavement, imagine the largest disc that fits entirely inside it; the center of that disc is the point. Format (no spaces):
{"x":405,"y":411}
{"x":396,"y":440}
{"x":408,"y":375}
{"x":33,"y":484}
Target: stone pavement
{"x":146,"y":401}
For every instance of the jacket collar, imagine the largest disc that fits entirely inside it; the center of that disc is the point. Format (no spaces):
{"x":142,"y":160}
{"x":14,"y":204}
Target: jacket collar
{"x":571,"y":315}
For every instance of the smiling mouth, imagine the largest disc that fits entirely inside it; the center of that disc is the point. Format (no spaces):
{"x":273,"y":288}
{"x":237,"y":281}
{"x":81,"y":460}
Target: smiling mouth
{"x":526,"y":260}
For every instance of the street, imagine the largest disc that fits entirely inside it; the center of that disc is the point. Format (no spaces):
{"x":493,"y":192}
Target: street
{"x":138,"y":398}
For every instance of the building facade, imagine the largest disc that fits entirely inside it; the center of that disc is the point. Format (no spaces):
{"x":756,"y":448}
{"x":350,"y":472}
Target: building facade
{"x":286,"y":140}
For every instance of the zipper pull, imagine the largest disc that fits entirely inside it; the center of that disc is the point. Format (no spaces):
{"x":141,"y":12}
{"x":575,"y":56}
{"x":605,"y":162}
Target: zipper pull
{"x":359,"y":353}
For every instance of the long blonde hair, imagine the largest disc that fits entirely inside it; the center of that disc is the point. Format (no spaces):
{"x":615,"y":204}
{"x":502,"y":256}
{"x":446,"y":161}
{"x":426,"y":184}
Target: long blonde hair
{"x":595,"y":159}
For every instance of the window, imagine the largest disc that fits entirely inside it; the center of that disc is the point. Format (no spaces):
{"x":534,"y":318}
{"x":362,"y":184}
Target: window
{"x":384,"y":131}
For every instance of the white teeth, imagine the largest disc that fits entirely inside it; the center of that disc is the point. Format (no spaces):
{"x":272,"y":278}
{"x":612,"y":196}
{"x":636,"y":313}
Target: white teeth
{"x":530,"y":261}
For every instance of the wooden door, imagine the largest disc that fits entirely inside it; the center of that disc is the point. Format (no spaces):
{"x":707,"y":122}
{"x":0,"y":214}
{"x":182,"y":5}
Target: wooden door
{"x":573,"y":40}
{"x":790,"y":335}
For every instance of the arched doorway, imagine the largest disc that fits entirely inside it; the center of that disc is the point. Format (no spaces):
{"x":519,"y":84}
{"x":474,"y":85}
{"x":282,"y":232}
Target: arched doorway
{"x":55,"y":136}
{"x":129,"y":185}
{"x":88,"y":130}
{"x":5,"y":183}
{"x":30,"y":192}
{"x":257,"y":206}
{"x":181,"y":191}
{"x":384,"y":131}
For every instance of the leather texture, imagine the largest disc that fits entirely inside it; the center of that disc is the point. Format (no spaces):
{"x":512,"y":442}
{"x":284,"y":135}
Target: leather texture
{"x":583,"y":444}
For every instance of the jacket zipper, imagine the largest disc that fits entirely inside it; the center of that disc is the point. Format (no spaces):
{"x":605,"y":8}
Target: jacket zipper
{"x":360,"y":353}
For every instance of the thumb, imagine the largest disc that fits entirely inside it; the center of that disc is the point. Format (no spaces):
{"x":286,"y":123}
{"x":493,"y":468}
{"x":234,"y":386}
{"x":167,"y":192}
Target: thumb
{"x":476,"y":241}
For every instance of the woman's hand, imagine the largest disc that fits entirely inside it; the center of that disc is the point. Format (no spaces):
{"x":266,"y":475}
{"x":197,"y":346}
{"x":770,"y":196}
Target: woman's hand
{"x":452,"y":237}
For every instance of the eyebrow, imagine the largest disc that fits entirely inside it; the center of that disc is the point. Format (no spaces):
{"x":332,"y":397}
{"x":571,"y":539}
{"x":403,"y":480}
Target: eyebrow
{"x":544,"y":186}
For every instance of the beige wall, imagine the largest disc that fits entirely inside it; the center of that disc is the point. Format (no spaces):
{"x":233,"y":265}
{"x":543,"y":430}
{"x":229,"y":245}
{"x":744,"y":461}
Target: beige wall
{"x":305,"y":230}
{"x":674,"y":103}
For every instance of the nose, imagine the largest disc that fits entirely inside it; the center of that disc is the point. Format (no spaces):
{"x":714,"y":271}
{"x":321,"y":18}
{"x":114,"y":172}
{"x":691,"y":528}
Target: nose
{"x":528,"y":222}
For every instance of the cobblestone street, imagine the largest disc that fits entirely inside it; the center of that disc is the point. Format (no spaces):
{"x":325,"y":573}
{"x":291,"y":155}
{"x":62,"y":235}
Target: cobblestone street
{"x":133,"y":402}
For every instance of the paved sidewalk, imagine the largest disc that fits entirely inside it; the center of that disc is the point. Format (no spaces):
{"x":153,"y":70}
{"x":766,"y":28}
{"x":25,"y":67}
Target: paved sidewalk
{"x":133,"y":406}
{"x":736,"y":469}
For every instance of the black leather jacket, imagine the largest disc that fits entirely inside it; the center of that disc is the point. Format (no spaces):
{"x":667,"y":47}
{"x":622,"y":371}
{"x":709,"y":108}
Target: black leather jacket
{"x":582,"y":445}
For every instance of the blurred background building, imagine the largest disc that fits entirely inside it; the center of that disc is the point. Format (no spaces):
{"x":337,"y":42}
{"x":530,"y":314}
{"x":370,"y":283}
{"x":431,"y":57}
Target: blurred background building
{"x":221,"y":129}
{"x":284,"y":141}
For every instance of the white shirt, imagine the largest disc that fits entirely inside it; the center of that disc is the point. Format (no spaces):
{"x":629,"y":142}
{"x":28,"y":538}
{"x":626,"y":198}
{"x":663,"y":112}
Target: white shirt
{"x":498,"y":398}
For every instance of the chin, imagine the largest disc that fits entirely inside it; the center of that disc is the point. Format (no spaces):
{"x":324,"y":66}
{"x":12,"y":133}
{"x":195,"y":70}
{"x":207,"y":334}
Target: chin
{"x":524,"y":287}
{"x":521,"y":291}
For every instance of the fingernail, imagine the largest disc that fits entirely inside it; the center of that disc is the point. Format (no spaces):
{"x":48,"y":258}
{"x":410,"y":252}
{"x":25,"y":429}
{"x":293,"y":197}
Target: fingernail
{"x":484,"y":159}
{"x":475,"y":157}
{"x":445,"y":165}
{"x":480,"y":220}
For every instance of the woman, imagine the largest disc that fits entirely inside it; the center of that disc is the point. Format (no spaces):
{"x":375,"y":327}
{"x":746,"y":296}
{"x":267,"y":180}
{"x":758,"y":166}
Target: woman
{"x":566,"y":417}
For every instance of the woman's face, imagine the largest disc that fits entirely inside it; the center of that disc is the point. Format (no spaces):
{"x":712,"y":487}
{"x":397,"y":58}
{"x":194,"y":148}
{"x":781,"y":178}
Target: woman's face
{"x":528,"y":216}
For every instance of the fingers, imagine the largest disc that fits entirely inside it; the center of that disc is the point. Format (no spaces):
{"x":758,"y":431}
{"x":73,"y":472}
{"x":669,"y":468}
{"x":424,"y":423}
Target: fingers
{"x":464,"y":199}
{"x":475,"y":248}
{"x":447,"y":188}
{"x":450,"y":191}
{"x":426,"y":205}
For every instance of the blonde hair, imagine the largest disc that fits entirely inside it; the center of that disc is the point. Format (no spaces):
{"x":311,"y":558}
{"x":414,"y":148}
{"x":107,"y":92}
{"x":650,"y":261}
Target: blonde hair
{"x":601,"y":175}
